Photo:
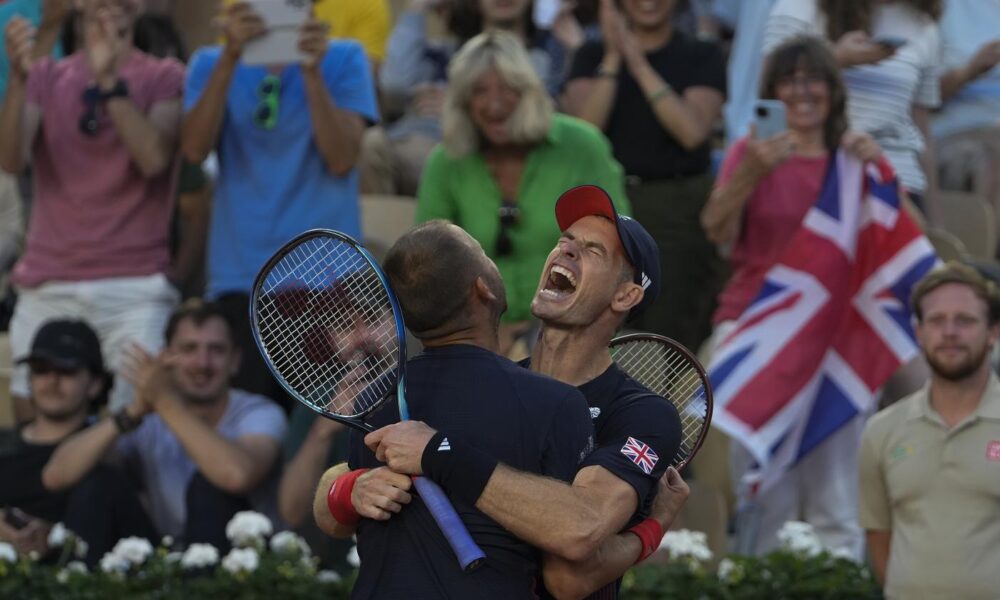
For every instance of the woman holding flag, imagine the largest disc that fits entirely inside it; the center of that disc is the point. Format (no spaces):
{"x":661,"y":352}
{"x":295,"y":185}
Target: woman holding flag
{"x":762,"y":195}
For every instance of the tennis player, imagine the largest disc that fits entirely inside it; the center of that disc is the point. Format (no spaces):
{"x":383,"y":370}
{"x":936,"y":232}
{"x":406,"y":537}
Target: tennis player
{"x":452,"y":297}
{"x":604,"y":271}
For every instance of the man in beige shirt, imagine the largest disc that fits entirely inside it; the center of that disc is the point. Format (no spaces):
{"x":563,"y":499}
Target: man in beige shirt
{"x":930,"y":464}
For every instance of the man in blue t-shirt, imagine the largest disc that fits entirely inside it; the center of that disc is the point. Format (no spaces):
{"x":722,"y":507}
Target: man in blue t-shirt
{"x":604,"y":271}
{"x":287,"y":139}
{"x":452,"y":298}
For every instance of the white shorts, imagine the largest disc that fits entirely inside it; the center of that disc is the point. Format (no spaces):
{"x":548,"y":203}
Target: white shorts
{"x":121,"y":310}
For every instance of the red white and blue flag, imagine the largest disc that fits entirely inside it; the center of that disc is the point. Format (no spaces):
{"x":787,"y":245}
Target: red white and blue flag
{"x":829,"y":326}
{"x":641,"y":454}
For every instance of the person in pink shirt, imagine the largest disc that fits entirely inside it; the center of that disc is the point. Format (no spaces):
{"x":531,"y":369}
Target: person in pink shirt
{"x":763,"y":191}
{"x":99,"y":129}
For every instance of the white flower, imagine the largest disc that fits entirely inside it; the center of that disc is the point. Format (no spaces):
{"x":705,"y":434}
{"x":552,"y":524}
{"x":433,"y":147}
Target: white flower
{"x":8,"y":553}
{"x":327,"y":576}
{"x":73,"y":567}
{"x":167,"y":541}
{"x":800,"y":537}
{"x":727,"y":569}
{"x":288,"y":541}
{"x":684,"y":542}
{"x":352,"y":557}
{"x":58,"y":535}
{"x":199,"y":555}
{"x":247,"y":527}
{"x":112,"y":563}
{"x":241,"y":559}
{"x":81,"y":548}
{"x":133,"y":550}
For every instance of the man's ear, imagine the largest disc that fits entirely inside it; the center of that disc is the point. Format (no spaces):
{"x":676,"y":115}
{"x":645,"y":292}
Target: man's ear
{"x":626,"y":297}
{"x":482,"y":291}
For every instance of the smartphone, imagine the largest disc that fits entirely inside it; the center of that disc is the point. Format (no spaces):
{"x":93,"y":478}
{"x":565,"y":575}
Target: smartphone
{"x":280,"y":45}
{"x":890,"y":41}
{"x":545,"y":12}
{"x":769,"y":118}
{"x":16,"y":518}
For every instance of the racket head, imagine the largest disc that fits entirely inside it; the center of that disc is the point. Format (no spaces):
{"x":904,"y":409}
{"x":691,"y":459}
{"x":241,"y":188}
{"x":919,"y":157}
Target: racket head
{"x":328,"y":325}
{"x":671,"y":371}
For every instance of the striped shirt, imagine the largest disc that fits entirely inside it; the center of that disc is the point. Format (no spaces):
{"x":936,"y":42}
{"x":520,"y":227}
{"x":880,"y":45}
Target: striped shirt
{"x":881,"y":96}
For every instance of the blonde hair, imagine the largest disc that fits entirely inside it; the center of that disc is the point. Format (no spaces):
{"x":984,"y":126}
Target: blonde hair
{"x":530,"y":122}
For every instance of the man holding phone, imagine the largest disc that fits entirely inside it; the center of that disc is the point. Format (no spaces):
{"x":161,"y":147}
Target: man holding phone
{"x":287,"y":136}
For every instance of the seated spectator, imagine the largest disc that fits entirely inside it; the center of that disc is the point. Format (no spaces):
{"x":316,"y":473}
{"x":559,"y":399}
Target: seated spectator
{"x":414,"y":79}
{"x":505,"y":160}
{"x":287,"y":139}
{"x":67,"y":379}
{"x":764,"y":190}
{"x":970,"y":84}
{"x":99,"y":128}
{"x":892,"y":90}
{"x":657,"y":94}
{"x":203,"y":450}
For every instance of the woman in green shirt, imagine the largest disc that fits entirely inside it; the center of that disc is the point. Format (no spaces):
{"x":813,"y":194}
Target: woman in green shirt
{"x":505,"y":159}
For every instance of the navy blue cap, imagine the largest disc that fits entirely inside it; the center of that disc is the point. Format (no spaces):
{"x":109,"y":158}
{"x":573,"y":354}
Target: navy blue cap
{"x":640,"y":247}
{"x":68,"y":344}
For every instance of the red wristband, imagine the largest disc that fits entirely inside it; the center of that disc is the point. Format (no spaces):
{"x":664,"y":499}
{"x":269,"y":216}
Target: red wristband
{"x":338,"y":499}
{"x":650,"y":534}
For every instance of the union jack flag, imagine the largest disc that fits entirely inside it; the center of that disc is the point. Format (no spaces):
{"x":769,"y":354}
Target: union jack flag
{"x":641,"y":454}
{"x":829,"y":326}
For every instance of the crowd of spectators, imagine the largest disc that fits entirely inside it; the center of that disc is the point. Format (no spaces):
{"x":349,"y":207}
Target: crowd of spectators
{"x":139,"y":196}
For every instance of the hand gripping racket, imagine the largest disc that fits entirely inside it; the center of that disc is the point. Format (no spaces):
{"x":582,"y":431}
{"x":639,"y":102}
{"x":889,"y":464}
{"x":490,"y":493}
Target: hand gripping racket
{"x":668,"y":369}
{"x":332,"y":333}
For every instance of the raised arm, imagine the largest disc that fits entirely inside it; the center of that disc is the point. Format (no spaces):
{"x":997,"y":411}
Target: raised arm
{"x":569,"y":579}
{"x":337,"y":131}
{"x":985,"y":58}
{"x":203,"y":121}
{"x":19,"y":120}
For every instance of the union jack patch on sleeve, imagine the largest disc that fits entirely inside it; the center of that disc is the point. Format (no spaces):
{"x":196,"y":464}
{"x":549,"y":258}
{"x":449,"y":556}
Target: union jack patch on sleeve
{"x":641,"y":454}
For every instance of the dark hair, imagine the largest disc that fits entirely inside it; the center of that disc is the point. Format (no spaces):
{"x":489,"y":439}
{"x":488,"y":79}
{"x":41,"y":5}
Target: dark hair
{"x":465,"y":20}
{"x":157,"y":35}
{"x":850,"y":15}
{"x":956,"y":272}
{"x":813,"y":55}
{"x":431,"y":270}
{"x":199,"y":311}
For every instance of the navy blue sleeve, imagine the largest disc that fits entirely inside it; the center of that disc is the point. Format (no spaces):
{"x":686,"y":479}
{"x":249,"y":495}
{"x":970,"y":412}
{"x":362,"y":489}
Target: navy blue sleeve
{"x":638,"y":443}
{"x":570,"y":438}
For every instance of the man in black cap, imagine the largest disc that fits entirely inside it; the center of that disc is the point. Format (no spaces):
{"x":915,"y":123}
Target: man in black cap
{"x":67,"y":377}
{"x":604,"y":271}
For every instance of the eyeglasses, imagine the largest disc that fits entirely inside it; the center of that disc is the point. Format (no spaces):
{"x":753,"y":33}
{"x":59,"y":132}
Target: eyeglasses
{"x":89,"y":124}
{"x":265,"y":115}
{"x":43,"y":368}
{"x":509,"y":215}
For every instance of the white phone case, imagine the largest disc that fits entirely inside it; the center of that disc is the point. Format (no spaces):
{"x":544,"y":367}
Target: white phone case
{"x":284,"y":19}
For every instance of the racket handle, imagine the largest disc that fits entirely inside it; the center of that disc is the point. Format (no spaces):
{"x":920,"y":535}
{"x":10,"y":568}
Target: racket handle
{"x":469,"y":554}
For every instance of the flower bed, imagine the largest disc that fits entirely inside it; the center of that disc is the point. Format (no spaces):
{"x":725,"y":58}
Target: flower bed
{"x":281,"y":566}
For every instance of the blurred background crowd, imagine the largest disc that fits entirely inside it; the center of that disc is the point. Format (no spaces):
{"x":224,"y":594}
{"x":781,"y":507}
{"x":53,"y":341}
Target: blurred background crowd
{"x":149,"y":171}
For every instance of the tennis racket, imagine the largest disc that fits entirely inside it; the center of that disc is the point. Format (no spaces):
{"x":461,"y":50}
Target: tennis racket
{"x":332,"y":333}
{"x":668,"y":369}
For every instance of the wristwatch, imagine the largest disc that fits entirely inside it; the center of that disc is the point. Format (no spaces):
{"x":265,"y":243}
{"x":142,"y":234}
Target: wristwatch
{"x":120,"y":90}
{"x":125,"y":422}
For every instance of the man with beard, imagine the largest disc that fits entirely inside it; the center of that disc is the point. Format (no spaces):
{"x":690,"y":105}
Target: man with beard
{"x":66,"y":377}
{"x":203,"y":450}
{"x":930,"y":464}
{"x":604,"y":271}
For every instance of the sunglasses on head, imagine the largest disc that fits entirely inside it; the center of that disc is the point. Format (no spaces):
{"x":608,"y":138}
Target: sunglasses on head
{"x":265,"y":115}
{"x":509,"y":215}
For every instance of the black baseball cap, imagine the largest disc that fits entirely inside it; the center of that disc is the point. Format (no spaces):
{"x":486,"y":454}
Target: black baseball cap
{"x":68,"y":344}
{"x":640,"y":248}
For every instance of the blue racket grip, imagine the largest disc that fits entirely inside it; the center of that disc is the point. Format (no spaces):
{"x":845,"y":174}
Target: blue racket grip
{"x":469,"y":554}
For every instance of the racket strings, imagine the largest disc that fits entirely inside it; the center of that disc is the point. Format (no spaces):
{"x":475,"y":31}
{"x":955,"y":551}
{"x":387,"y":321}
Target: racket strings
{"x":669,"y":373}
{"x":325,"y":319}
